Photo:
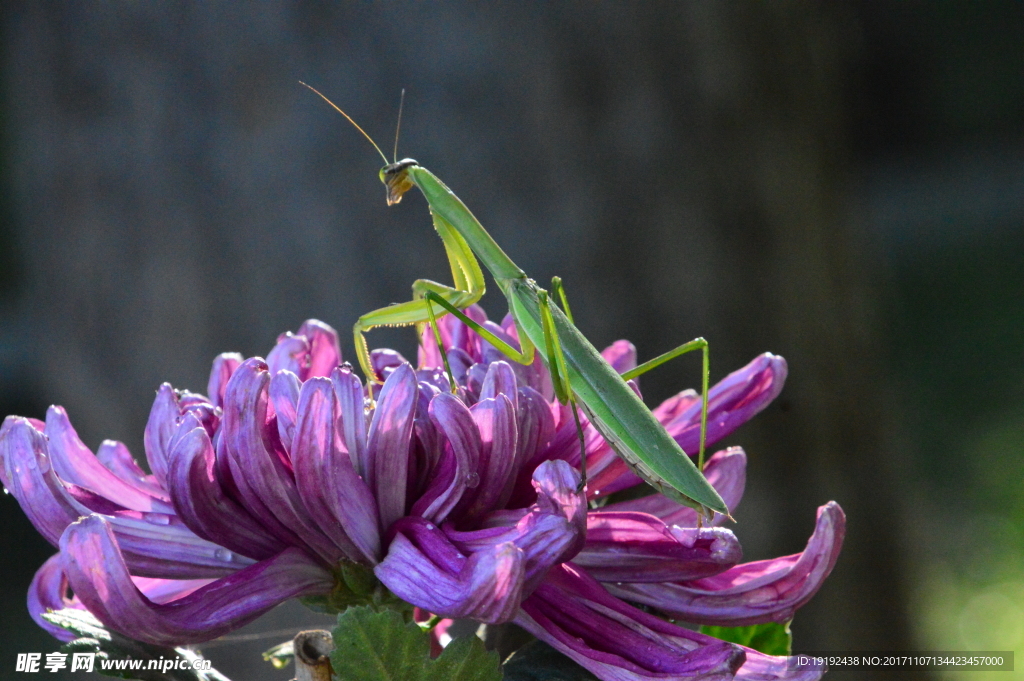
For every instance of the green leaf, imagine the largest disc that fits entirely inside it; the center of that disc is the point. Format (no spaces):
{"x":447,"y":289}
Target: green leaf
{"x":773,"y":638}
{"x":382,"y":646}
{"x":537,"y":661}
{"x":93,"y":637}
{"x":465,"y":659}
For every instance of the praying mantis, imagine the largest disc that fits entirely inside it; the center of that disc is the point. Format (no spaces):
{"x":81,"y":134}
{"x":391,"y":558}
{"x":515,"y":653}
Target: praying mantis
{"x":579,"y":374}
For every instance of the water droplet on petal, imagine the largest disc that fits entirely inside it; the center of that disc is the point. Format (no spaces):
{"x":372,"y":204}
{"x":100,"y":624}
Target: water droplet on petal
{"x":472,"y":480}
{"x":39,"y":463}
{"x":430,"y":526}
{"x":158,"y":518}
{"x":224,"y":555}
{"x":6,"y":491}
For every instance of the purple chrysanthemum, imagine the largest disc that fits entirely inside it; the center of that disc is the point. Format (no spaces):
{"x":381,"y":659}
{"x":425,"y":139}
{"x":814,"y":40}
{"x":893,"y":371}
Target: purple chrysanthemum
{"x":286,"y":481}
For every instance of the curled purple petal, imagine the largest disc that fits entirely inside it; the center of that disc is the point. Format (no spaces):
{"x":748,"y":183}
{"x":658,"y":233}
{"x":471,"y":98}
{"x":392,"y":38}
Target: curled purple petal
{"x":224,"y":366}
{"x":290,"y":354}
{"x":163,"y":419}
{"x":284,"y":395}
{"x":99,"y":577}
{"x":636,"y":547}
{"x":423,"y":568}
{"x":76,"y":464}
{"x":384,"y":362}
{"x":500,"y":380}
{"x":572,"y":613}
{"x":8,"y":424}
{"x":536,"y":428}
{"x":324,"y":351}
{"x":751,"y":593}
{"x":49,"y":591}
{"x":388,"y":443}
{"x":475,"y":376}
{"x":495,"y":420}
{"x":31,"y":480}
{"x":444,"y":491}
{"x":336,"y":497}
{"x":205,"y":506}
{"x":454,"y":420}
{"x":348,"y":390}
{"x":162,"y":546}
{"x":557,"y":486}
{"x":733,"y":401}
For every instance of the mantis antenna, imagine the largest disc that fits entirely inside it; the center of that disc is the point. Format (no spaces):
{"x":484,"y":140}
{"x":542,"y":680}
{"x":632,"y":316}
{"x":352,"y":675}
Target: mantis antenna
{"x":398,"y":126}
{"x":349,"y":118}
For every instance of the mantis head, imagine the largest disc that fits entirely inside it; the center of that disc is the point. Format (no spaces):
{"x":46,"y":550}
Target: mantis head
{"x":395,"y":177}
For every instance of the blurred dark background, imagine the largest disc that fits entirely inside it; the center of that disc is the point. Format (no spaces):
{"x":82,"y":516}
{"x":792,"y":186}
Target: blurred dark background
{"x":841,"y":183}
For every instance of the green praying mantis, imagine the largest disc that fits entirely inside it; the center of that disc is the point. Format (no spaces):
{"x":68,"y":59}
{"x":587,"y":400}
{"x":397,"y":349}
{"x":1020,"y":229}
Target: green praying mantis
{"x":579,"y":374}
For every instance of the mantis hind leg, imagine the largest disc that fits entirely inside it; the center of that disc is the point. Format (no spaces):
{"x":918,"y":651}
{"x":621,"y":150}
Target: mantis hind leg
{"x":695,"y":344}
